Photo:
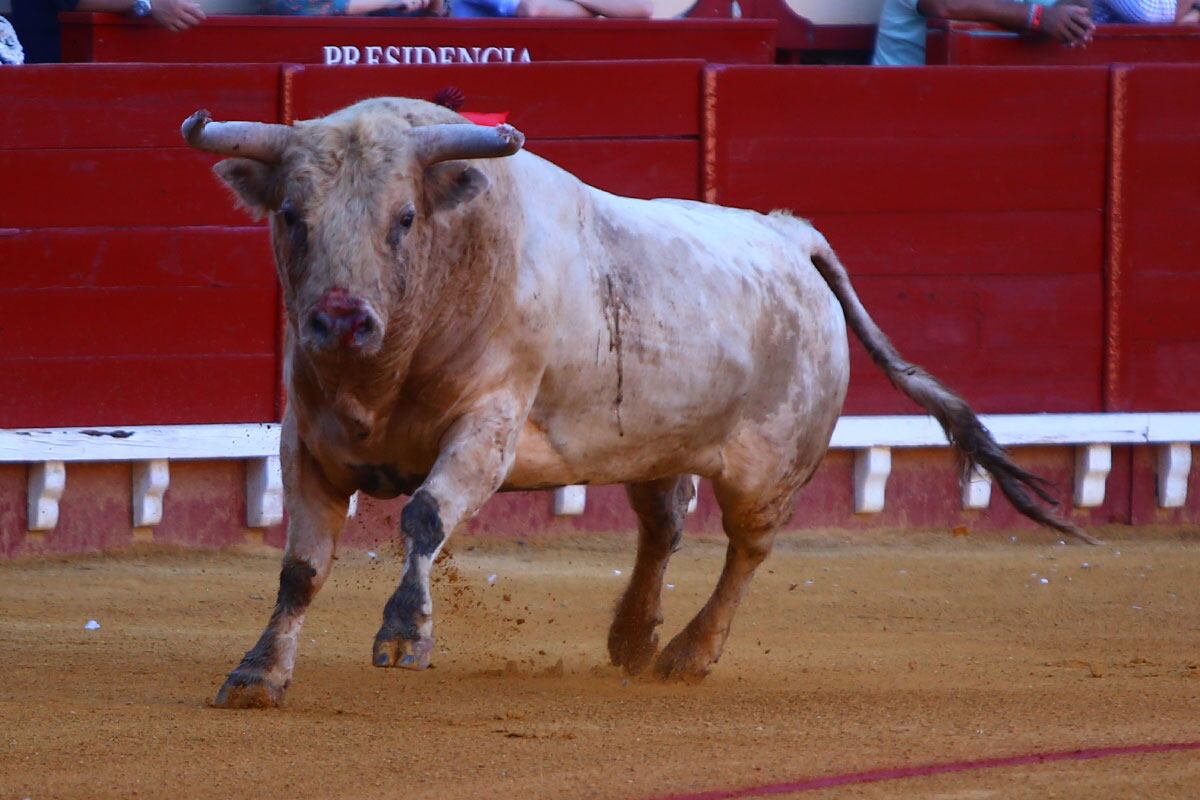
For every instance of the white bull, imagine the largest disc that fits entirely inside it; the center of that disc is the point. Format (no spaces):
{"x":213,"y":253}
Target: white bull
{"x":465,"y":318}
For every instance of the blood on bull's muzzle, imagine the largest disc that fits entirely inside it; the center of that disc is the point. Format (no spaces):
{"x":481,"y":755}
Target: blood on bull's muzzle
{"x":342,"y":322}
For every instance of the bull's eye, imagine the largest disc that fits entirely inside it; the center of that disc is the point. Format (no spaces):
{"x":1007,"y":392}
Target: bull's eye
{"x":400,"y":225}
{"x":296,"y":227}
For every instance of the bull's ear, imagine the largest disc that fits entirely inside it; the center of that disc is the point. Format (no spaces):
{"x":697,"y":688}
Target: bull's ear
{"x":255,"y":184}
{"x":452,"y":183}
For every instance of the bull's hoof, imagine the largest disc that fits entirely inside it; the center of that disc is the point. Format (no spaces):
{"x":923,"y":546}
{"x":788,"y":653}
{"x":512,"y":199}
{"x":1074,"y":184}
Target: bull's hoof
{"x":248,"y":691}
{"x":632,"y":648}
{"x":403,"y":653}
{"x":683,"y":660}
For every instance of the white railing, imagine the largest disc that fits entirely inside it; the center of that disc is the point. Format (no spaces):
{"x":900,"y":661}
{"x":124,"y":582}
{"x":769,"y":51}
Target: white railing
{"x":152,"y":448}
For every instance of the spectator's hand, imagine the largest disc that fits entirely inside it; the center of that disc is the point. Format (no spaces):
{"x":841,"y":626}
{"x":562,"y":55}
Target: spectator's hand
{"x":1081,"y":3}
{"x":408,"y":6}
{"x":1069,"y":23}
{"x":176,"y":15}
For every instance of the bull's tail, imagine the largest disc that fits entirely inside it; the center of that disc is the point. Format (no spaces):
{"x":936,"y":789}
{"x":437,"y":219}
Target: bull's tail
{"x":966,"y":433}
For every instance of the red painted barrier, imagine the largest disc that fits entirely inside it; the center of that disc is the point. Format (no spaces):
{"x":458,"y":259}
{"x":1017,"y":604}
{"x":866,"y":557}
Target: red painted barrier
{"x":1025,"y":233}
{"x":302,"y":40}
{"x":1153,"y":328}
{"x":967,"y":204}
{"x":982,"y":44}
{"x":132,"y":289}
{"x":644,"y":144}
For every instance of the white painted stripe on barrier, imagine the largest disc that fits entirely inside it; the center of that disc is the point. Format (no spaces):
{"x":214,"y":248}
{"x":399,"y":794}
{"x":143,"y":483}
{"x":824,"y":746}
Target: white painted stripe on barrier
{"x":1023,"y":429}
{"x":47,"y":450}
{"x":258,"y":440}
{"x":141,"y":443}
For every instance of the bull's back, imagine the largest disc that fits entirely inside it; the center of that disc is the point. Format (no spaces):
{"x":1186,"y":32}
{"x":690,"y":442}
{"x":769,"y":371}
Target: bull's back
{"x":678,"y":322}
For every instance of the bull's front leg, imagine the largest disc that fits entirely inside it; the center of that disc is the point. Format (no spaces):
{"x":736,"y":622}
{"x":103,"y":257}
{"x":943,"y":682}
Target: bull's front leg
{"x":316,"y":514}
{"x":475,"y":457}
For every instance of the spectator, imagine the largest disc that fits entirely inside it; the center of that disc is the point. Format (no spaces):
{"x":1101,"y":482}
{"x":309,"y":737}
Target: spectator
{"x":36,"y":21}
{"x":901,"y":38}
{"x":1147,"y":12}
{"x":10,"y":45}
{"x":629,"y":9}
{"x":322,"y":8}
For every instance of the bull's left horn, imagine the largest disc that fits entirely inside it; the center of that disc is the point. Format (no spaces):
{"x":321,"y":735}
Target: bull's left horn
{"x":261,"y":141}
{"x":451,"y":141}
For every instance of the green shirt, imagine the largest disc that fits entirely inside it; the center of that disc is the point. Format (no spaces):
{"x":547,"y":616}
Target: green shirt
{"x":900,"y":41}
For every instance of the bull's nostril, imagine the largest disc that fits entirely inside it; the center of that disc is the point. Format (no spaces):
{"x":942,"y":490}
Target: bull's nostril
{"x":319,"y":326}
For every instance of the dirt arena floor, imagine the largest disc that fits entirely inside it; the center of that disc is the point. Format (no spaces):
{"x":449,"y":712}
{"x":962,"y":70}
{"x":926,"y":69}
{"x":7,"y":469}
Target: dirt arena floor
{"x":845,"y":657}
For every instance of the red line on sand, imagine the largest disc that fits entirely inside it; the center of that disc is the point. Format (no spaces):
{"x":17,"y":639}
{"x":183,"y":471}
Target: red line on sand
{"x":921,"y":770}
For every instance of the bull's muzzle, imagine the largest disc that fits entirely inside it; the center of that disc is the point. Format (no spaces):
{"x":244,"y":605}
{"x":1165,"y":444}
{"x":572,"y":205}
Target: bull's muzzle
{"x":342,"y":322}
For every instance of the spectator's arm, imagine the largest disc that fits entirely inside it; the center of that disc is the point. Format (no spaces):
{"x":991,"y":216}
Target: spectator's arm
{"x":105,"y":6}
{"x":367,"y":6}
{"x":552,"y":8}
{"x":1069,"y":22}
{"x":175,"y":15}
{"x":627,"y":9}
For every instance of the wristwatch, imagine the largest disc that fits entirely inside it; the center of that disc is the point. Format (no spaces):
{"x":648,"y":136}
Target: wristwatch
{"x":141,"y":8}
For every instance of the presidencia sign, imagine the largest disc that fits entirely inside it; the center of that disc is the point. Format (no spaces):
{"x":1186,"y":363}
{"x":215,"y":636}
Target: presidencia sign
{"x":351,"y":55}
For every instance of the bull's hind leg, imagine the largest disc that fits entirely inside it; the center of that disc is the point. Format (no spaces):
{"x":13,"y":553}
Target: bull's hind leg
{"x":660,"y":507}
{"x":316,"y":514}
{"x":750,"y":521}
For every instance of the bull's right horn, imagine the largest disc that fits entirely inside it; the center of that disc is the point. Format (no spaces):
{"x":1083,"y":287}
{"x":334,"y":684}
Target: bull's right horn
{"x":451,"y":141}
{"x":260,"y":141}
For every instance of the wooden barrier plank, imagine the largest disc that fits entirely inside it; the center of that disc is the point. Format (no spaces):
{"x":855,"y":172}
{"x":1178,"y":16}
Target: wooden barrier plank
{"x":141,"y":390}
{"x":978,"y":44}
{"x":967,"y":204}
{"x":984,"y":243}
{"x":1154,"y":329}
{"x":126,"y":105}
{"x":889,"y":174}
{"x":138,"y":321}
{"x":914,"y":103}
{"x":113,"y":188}
{"x":979,"y":312}
{"x":1012,"y":344}
{"x":645,"y":168}
{"x":302,"y":40}
{"x":906,"y":140}
{"x":99,"y":258}
{"x":996,"y":381}
{"x":555,"y":100}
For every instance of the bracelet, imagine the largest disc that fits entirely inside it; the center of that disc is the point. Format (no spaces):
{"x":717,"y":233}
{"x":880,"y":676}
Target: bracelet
{"x":1034,"y":21}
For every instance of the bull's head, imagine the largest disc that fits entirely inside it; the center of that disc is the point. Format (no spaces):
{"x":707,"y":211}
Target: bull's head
{"x":355,"y":202}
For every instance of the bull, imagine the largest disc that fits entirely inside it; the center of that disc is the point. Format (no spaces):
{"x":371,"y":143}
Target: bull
{"x":464,"y":317}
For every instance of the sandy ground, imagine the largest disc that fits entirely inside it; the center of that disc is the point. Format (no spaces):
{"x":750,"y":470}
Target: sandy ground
{"x":844,"y":657}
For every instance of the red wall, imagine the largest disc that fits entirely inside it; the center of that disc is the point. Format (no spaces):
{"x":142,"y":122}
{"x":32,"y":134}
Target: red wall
{"x":1025,"y":233}
{"x":1154,"y":239}
{"x":968,"y":205}
{"x":131,"y":291}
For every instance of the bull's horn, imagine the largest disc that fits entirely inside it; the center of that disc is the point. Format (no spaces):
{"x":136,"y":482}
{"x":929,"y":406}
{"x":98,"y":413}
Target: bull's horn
{"x":258,"y":140}
{"x":451,"y":141}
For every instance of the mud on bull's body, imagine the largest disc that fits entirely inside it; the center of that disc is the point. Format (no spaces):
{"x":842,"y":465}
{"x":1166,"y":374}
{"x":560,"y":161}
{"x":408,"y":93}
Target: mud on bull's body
{"x":464,"y":317}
